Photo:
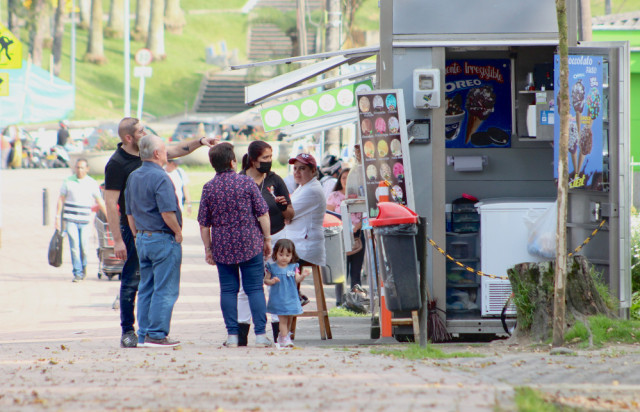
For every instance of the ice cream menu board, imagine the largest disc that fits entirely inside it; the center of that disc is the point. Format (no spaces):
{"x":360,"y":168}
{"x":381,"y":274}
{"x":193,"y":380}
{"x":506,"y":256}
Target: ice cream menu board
{"x":479,"y":111}
{"x":585,"y":122}
{"x":385,"y":154}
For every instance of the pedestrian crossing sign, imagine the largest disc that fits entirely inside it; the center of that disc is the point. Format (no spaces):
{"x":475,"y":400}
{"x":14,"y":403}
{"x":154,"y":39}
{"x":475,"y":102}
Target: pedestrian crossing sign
{"x":4,"y":84}
{"x":10,"y":50}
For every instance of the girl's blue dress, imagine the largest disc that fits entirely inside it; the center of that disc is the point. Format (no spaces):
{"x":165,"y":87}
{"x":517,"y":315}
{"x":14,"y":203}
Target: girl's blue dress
{"x":283,"y":296}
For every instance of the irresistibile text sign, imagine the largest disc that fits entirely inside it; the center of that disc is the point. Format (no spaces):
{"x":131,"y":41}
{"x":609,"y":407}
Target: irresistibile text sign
{"x":479,"y":112}
{"x":385,"y":151}
{"x":586,"y":110}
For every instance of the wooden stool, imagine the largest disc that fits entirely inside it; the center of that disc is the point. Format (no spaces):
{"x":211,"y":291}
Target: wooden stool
{"x":321,"y":313}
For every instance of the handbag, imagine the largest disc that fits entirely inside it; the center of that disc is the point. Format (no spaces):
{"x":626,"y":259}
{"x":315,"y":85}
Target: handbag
{"x":357,"y":246}
{"x":55,"y":249}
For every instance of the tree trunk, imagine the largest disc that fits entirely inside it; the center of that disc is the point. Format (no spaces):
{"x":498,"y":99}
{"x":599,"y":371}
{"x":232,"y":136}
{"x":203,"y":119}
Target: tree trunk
{"x":85,"y":13}
{"x":532,"y":284}
{"x":57,"y":38}
{"x":585,"y":19}
{"x":95,"y":45}
{"x":36,"y":33}
{"x":143,"y":10}
{"x":174,"y":17}
{"x":115,"y":27}
{"x":563,"y":178}
{"x":607,"y":6}
{"x":155,"y":40}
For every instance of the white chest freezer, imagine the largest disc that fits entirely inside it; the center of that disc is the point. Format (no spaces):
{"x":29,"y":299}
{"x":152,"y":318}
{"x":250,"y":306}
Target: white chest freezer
{"x":503,"y":240}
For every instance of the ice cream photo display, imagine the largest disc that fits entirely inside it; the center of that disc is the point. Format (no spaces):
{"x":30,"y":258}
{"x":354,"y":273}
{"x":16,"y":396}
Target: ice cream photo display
{"x":380,"y":131}
{"x":478,"y":98}
{"x":585,"y":123}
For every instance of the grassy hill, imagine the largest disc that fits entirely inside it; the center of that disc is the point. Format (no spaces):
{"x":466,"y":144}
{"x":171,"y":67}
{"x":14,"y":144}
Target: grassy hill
{"x":175,"y":81}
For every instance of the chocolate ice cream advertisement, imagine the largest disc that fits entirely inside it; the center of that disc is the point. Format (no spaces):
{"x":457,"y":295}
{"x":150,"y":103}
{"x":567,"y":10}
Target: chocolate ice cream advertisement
{"x":478,"y":98}
{"x":585,"y":163}
{"x":384,"y":147}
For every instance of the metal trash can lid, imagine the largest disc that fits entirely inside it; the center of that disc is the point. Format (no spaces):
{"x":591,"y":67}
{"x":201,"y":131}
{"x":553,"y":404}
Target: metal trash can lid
{"x":331,"y":220}
{"x":393,"y":214}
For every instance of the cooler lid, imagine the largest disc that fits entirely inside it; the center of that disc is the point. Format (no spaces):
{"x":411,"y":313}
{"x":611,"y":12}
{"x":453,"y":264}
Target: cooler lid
{"x":393,"y":214}
{"x":331,"y":221}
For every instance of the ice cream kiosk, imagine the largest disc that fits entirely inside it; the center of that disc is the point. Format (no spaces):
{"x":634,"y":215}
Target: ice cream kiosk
{"x":478,"y":80}
{"x":461,"y":124}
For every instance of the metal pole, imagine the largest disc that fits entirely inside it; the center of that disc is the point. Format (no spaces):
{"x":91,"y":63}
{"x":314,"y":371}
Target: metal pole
{"x":45,"y":207}
{"x":423,"y":313}
{"x":140,"y":97}
{"x":127,"y":61}
{"x":73,"y":46}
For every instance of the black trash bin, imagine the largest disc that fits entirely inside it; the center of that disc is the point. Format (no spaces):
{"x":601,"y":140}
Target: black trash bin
{"x":395,"y":230}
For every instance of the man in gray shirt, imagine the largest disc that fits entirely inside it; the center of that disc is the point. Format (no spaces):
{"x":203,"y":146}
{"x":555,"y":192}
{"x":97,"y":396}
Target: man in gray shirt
{"x":156,"y":222}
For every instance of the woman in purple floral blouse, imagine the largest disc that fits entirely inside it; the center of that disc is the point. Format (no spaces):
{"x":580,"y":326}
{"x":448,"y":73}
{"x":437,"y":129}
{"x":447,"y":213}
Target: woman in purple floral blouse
{"x":235,"y":230}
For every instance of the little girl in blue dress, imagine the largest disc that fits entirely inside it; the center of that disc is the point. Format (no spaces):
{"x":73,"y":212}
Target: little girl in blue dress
{"x":283,"y":275}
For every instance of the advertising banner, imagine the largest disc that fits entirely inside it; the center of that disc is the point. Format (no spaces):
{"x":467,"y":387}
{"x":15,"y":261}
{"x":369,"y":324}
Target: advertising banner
{"x":479,"y":109}
{"x":384,"y":148}
{"x":313,"y":107}
{"x":585,"y":123}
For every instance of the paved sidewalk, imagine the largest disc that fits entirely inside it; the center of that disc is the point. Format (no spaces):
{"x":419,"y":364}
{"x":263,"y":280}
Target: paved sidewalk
{"x":59,"y":346}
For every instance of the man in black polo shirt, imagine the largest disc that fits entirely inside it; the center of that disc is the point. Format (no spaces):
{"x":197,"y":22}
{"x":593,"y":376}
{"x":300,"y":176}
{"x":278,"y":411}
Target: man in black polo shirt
{"x":125,"y":160}
{"x":156,"y":222}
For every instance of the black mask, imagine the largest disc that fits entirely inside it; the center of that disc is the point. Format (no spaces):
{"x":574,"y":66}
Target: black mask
{"x":265,"y":167}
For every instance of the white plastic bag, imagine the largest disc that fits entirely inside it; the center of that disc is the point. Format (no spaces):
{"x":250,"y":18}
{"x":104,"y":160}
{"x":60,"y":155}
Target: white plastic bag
{"x":542,"y":232}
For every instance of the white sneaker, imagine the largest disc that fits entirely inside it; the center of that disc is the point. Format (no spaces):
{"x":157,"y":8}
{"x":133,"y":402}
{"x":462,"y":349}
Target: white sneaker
{"x":231,"y":342}
{"x":263,"y":342}
{"x":286,"y":342}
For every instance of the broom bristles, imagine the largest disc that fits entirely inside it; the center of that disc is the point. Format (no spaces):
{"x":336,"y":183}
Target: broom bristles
{"x":436,"y":329}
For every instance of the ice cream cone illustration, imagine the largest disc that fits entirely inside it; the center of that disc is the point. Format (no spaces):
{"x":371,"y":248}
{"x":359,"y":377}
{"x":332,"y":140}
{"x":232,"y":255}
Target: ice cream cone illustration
{"x":586,"y":143}
{"x":473,"y":123}
{"x":574,"y":136}
{"x":577,"y":101}
{"x":479,"y":105}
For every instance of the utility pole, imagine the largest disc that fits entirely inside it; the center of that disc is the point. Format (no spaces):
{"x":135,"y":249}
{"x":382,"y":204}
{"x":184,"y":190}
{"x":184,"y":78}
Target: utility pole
{"x":585,"y":20}
{"x":302,"y":27}
{"x":332,"y":42}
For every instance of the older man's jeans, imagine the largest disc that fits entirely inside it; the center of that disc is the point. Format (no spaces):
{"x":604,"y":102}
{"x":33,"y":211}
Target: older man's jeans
{"x":160,"y":258}
{"x":130,"y":278}
{"x":252,"y":277}
{"x":78,"y":234}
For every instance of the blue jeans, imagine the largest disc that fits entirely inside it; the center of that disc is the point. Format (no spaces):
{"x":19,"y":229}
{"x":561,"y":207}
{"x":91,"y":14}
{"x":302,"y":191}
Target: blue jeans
{"x":252,"y":277}
{"x":78,"y":234}
{"x":160,"y":259}
{"x":129,"y":281}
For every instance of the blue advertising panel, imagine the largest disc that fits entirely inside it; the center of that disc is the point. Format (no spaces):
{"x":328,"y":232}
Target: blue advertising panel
{"x":585,"y":122}
{"x":479,"y":112}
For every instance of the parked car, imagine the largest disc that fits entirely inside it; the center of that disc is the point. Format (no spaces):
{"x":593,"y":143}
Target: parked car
{"x":108,"y":130}
{"x":188,"y":129}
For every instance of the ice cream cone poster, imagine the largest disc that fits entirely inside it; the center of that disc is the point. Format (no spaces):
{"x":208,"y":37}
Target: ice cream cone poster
{"x":478,"y":98}
{"x":585,"y":122}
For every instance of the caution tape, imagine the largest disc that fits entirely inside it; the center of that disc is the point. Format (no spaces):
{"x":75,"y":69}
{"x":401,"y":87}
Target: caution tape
{"x":481,"y":273}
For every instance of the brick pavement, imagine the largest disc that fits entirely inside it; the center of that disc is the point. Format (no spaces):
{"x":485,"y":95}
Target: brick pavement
{"x":59,"y":346}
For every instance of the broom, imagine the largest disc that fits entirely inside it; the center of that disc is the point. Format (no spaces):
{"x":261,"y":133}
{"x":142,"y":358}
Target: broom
{"x":436,"y":329}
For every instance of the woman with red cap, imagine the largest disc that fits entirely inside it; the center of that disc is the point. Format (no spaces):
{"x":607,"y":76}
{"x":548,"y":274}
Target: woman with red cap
{"x":308,"y":201}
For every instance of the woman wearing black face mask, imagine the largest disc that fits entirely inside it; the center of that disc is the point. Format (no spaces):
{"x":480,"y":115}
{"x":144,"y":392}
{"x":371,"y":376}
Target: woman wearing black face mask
{"x":257,"y":165}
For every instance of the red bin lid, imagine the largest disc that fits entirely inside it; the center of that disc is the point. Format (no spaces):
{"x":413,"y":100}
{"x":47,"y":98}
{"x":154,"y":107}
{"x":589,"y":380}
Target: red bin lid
{"x":393,"y":214}
{"x":331,"y":221}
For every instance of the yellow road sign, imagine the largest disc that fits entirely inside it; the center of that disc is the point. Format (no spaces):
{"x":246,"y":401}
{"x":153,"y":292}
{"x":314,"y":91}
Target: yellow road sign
{"x":10,"y":50}
{"x":4,"y":84}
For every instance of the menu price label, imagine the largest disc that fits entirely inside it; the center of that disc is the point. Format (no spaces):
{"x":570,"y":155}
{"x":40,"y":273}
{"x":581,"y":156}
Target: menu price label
{"x":384,"y":146}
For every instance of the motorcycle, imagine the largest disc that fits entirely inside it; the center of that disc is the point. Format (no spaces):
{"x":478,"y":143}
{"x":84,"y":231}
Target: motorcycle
{"x":58,"y":157}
